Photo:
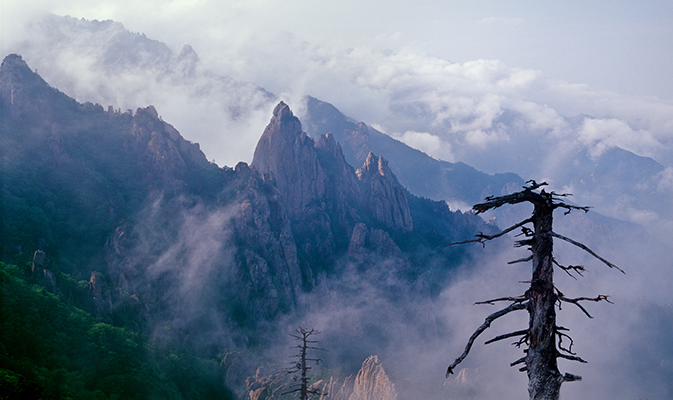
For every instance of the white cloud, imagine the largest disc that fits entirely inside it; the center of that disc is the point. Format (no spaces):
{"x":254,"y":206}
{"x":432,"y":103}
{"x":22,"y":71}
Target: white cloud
{"x":665,"y":180}
{"x":603,"y":134}
{"x":427,"y":143}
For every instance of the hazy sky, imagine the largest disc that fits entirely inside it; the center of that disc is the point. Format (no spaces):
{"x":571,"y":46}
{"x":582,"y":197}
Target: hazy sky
{"x":613,"y":57}
{"x":620,"y":46}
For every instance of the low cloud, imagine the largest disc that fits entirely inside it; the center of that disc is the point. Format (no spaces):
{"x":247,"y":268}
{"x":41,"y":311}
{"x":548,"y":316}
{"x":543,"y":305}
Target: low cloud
{"x":600,"y":135}
{"x":428,"y":143}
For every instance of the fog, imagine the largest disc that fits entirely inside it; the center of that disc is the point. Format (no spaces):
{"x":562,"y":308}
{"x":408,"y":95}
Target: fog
{"x":492,"y":110}
{"x":626,"y":343}
{"x":484,"y":112}
{"x":372,"y":311}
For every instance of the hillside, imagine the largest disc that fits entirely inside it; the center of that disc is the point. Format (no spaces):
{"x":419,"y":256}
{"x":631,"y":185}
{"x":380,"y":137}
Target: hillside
{"x":120,"y":216}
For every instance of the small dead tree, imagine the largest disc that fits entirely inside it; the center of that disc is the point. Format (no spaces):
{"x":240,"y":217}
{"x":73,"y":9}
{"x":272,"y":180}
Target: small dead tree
{"x":302,"y":364}
{"x":543,"y":338}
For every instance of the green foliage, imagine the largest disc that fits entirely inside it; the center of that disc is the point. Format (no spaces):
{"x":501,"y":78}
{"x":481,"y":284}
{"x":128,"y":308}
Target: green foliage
{"x":53,"y":350}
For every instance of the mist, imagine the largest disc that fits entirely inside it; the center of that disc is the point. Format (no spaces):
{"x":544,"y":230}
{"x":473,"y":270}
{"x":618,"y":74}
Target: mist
{"x":492,"y":116}
{"x":417,"y":336}
{"x":486,"y":112}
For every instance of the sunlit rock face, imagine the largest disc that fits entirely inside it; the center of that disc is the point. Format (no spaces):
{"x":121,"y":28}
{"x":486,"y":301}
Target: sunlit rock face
{"x":383,"y":195}
{"x":325,"y":197}
{"x":372,"y":383}
{"x":289,"y":155}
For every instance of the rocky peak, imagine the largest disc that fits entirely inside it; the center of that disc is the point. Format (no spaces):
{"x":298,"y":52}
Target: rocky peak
{"x":286,"y":152}
{"x":383,"y":195}
{"x":343,"y":185}
{"x":188,"y":61}
{"x":157,"y":151}
{"x":25,"y":95}
{"x":372,"y":382}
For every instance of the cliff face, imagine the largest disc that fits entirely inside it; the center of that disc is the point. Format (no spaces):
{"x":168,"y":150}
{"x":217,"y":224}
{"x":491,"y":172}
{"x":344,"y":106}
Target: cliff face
{"x":269,"y":277}
{"x":176,"y":248}
{"x":372,"y":383}
{"x":326,"y":199}
{"x":289,"y":156}
{"x":383,"y":195}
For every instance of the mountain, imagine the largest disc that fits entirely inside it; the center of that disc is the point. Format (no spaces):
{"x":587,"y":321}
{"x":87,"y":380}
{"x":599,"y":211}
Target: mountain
{"x":225,"y":116}
{"x":222,"y":114}
{"x":441,"y":179}
{"x":128,"y":70}
{"x":117,"y":213}
{"x":130,"y":222}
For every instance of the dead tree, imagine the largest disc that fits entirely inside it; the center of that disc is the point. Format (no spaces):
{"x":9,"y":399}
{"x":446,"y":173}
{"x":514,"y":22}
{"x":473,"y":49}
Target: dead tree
{"x":543,"y":338}
{"x":302,"y":364}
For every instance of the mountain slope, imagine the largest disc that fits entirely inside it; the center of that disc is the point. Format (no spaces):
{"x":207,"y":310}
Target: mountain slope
{"x":128,"y":220}
{"x":501,"y":129}
{"x":441,"y":179}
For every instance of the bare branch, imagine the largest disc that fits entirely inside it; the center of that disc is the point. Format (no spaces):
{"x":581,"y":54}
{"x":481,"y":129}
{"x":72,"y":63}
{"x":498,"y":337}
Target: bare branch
{"x":508,"y":335}
{"x":480,"y":330}
{"x":577,"y":268}
{"x":521,"y":260}
{"x":600,"y":297}
{"x":518,"y":299}
{"x":519,"y":197}
{"x":560,"y":342}
{"x":571,"y":358}
{"x":571,"y":378}
{"x":588,"y":250}
{"x":569,"y":207}
{"x":482,"y":238}
{"x":519,"y":361}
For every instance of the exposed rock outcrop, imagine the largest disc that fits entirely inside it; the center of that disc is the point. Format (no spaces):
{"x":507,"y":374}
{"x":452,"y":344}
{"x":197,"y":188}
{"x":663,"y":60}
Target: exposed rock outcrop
{"x":289,"y":155}
{"x":100,"y":297}
{"x":326,"y":199}
{"x":269,"y":273}
{"x":157,"y":152}
{"x":365,"y":241}
{"x":383,"y":195}
{"x":372,"y":383}
{"x":42,"y":274}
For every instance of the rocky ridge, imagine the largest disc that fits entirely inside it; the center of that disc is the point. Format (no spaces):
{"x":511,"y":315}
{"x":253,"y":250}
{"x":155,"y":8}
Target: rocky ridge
{"x":170,"y":245}
{"x":329,"y":203}
{"x":370,"y":383}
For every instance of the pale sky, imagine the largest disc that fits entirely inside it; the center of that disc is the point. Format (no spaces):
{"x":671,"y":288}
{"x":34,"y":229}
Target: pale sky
{"x":621,"y":46}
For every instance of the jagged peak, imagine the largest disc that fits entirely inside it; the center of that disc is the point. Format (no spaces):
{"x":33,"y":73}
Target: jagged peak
{"x":327,"y":141}
{"x":149,"y":110}
{"x":289,"y":154}
{"x":374,"y":165}
{"x":372,"y":382}
{"x":283,"y":113}
{"x":14,"y":69}
{"x":12,"y":60}
{"x":283,"y":129}
{"x":188,"y":52}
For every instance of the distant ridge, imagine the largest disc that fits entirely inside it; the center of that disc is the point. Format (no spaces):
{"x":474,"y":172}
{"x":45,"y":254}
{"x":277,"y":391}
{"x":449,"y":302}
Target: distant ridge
{"x":441,"y":180}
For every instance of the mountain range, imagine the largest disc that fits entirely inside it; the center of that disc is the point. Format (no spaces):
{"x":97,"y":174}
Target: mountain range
{"x":331,"y":223}
{"x":165,"y":242}
{"x":224,"y":115}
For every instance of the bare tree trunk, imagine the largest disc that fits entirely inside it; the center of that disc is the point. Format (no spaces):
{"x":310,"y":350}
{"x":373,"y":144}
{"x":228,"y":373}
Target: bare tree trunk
{"x":544,"y":378}
{"x":302,"y":366}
